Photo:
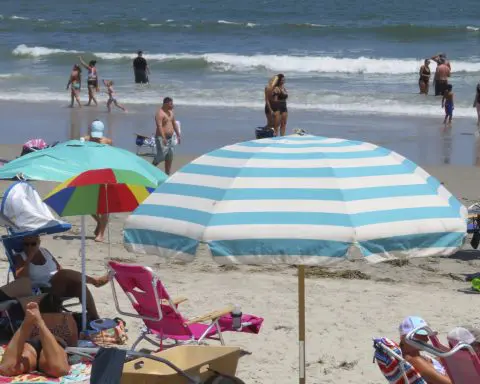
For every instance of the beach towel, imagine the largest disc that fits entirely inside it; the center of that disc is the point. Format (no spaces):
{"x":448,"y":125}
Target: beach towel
{"x":79,"y":374}
{"x":391,"y":367}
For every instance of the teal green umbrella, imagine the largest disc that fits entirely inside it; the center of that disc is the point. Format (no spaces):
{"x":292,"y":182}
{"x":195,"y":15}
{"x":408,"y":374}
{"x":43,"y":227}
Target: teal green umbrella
{"x":68,"y":159}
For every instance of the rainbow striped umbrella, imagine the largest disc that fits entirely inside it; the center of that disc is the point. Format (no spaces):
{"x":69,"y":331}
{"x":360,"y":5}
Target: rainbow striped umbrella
{"x":100,"y":191}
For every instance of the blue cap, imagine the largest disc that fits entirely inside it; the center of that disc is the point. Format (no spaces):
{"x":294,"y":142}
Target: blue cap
{"x":410,"y":323}
{"x":97,"y":129}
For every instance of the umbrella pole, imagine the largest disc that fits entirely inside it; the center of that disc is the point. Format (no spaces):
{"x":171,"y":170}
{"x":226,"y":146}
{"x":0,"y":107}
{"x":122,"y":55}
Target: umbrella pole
{"x":84,"y":276}
{"x":301,"y":323}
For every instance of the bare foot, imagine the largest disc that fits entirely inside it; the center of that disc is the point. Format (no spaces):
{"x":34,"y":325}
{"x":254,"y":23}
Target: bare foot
{"x":99,"y":239}
{"x":32,"y":313}
{"x":100,"y":281}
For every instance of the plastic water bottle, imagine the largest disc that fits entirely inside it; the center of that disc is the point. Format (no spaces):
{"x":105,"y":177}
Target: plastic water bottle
{"x":236,"y":317}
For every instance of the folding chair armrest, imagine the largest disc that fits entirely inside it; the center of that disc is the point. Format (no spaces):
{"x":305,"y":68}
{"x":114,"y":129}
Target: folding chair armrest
{"x":211,"y":316}
{"x":175,"y":301}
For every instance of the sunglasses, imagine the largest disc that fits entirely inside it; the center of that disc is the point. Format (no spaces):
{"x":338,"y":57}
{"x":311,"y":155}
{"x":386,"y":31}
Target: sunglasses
{"x":34,"y":244}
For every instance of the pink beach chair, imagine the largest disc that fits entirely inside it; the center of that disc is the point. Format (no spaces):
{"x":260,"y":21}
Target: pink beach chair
{"x":461,"y":362}
{"x":160,"y":313}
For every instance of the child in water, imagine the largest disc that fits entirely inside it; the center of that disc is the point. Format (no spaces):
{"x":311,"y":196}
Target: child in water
{"x":447,"y":103}
{"x":111,"y":96}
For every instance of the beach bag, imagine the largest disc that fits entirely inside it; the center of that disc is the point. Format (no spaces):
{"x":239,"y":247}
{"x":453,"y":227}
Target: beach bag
{"x":62,"y":325}
{"x":116,"y":335}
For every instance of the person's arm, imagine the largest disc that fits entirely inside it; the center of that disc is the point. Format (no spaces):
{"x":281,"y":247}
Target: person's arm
{"x":267,"y":99}
{"x":427,"y":371}
{"x":147,"y":68}
{"x":475,"y":101}
{"x":175,"y":128}
{"x":84,"y":64}
{"x":69,"y":82}
{"x":159,"y":123}
{"x":22,"y":267}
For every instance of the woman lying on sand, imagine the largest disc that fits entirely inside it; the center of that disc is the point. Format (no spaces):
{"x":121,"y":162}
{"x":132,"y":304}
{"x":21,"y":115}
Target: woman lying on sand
{"x":45,"y":272}
{"x":45,"y":353}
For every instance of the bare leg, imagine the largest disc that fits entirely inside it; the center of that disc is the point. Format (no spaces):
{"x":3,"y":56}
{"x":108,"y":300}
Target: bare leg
{"x":283,"y":123}
{"x":95,"y":217}
{"x":168,"y":165}
{"x":109,"y":103}
{"x":94,"y":99}
{"x":276,"y":124}
{"x":68,"y":283}
{"x":120,"y":106}
{"x":77,"y":97}
{"x":20,"y":357}
{"x":53,"y":359}
{"x":101,"y":227}
{"x":72,"y":99}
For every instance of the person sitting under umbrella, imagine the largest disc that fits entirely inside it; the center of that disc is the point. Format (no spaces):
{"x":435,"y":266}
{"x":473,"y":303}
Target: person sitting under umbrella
{"x":44,"y":271}
{"x":429,"y":368}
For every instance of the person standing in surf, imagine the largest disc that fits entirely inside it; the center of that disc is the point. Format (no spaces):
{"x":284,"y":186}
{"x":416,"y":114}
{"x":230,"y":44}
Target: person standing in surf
{"x":476,"y":103}
{"x":279,"y":105}
{"x":447,"y":103}
{"x":75,"y":84}
{"x":268,"y":102}
{"x":140,"y":69}
{"x":424,"y":80}
{"x":92,"y":80}
{"x":166,"y":129}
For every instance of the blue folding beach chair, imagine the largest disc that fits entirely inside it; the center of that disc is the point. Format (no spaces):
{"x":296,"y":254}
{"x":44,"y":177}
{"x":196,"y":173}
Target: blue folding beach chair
{"x":23,"y":213}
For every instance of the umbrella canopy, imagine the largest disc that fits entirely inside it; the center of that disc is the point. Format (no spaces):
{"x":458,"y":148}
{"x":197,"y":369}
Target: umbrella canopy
{"x":299,"y":200}
{"x":100,"y":191}
{"x":68,"y":159}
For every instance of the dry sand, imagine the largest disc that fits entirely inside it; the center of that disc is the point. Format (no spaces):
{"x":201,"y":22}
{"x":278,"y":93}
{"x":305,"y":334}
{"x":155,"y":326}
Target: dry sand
{"x":343,"y":314}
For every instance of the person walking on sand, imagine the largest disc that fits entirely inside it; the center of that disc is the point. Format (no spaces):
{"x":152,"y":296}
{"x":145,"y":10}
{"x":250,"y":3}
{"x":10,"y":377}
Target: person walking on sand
{"x":476,"y":103}
{"x":75,"y":84}
{"x":92,"y":80}
{"x":447,"y":103}
{"x":166,"y":134}
{"x":96,"y":134}
{"x":111,"y":96}
{"x":140,"y":69}
{"x":424,"y":80}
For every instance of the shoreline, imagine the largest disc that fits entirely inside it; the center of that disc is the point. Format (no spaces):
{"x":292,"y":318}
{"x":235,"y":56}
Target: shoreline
{"x":421,"y":139}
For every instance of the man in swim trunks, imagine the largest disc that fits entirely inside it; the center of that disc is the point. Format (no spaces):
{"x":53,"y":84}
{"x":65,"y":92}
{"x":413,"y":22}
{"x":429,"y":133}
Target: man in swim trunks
{"x":140,"y":69}
{"x":45,"y":353}
{"x":442,"y":73}
{"x":447,"y":103}
{"x":166,"y":130}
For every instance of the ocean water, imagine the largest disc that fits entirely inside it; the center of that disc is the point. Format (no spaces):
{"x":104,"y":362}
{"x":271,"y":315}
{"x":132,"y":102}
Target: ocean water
{"x":343,"y":57}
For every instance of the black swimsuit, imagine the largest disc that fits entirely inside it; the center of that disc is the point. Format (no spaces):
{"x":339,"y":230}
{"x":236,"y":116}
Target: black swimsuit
{"x":425,"y":75}
{"x":280,"y":105}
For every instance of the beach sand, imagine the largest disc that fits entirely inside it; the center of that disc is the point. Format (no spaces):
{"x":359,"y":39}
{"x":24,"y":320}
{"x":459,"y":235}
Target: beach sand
{"x":346,"y":305}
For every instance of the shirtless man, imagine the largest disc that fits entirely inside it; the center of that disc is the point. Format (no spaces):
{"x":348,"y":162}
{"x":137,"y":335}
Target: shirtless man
{"x":442,"y":73}
{"x":164,"y":135}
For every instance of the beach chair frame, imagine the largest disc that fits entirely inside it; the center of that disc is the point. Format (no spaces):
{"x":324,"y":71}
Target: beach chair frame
{"x":446,"y":354}
{"x":173,"y":306}
{"x":377,"y":344}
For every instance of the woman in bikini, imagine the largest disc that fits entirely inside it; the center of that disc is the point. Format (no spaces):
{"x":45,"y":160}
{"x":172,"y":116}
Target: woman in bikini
{"x":74,"y":83}
{"x":424,"y":80}
{"x":279,"y":105}
{"x":92,"y":80}
{"x":268,"y":100}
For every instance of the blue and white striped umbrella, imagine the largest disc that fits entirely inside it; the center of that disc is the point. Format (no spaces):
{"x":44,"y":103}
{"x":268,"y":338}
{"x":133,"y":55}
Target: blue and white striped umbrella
{"x":299,"y":200}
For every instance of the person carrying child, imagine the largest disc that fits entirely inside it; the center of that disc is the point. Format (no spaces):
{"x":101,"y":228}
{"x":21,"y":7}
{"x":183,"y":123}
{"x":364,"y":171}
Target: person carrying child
{"x":111,"y":96}
{"x":447,"y":103}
